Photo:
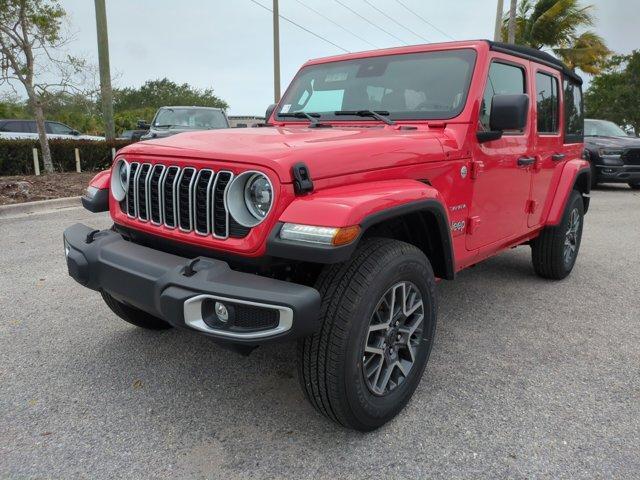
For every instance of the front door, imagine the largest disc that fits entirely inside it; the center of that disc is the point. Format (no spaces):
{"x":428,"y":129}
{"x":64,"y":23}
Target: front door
{"x":502,"y":168}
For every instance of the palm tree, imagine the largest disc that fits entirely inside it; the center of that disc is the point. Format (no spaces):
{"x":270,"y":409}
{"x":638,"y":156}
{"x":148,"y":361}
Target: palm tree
{"x":559,"y":25}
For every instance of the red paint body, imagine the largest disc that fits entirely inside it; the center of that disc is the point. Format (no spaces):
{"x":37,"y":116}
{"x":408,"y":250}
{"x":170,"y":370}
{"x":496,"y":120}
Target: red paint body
{"x":358,"y":170}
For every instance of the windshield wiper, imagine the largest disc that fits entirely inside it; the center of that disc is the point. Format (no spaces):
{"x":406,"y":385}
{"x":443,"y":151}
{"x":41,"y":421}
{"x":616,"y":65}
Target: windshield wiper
{"x":168,"y":125}
{"x":312,"y":117}
{"x":378,"y":115}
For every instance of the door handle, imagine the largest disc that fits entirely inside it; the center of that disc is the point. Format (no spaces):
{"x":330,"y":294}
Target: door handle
{"x":526,"y":161}
{"x":556,"y":157}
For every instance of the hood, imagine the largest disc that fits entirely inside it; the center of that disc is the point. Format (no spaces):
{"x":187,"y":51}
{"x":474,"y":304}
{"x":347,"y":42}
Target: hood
{"x":612,"y":142}
{"x":328,"y":152}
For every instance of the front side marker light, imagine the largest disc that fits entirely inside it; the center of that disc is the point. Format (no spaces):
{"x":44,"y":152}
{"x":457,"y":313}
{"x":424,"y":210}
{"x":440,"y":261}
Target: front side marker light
{"x":319,"y":235}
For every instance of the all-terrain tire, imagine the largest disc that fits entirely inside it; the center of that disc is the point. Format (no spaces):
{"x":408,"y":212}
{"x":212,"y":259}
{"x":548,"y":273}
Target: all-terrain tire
{"x":330,"y":362}
{"x":134,"y":315}
{"x":549,"y":250}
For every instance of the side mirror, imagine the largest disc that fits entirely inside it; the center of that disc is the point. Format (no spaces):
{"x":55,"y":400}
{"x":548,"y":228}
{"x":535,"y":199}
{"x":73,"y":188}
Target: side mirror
{"x":508,"y":112}
{"x":75,"y":132}
{"x":269,"y":111}
{"x":142,"y":125}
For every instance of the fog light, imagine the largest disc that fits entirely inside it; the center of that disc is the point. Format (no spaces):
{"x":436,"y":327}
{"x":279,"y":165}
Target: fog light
{"x":221,"y":312}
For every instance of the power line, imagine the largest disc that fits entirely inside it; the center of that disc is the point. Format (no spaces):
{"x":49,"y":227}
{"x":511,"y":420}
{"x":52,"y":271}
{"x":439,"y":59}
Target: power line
{"x":301,"y":27}
{"x":337,"y":24}
{"x":369,"y":22}
{"x":426,"y":21}
{"x":395,"y":21}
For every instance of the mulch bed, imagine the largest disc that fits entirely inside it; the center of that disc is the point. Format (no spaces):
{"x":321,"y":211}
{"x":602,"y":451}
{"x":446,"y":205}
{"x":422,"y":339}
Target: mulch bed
{"x":29,"y":188}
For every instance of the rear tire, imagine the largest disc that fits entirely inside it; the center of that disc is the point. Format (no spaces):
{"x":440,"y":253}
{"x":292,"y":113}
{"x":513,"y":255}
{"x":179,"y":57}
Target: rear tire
{"x":555,"y":251}
{"x":366,"y":337}
{"x":134,"y":315}
{"x":634,"y":185}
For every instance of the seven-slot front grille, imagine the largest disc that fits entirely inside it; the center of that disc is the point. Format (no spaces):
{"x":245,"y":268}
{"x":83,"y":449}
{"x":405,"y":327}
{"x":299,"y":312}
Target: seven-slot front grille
{"x":631,"y":156}
{"x":184,"y":198}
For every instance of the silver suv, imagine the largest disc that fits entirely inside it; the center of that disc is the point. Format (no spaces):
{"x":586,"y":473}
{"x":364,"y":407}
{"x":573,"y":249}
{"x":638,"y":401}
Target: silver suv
{"x":171,"y":120}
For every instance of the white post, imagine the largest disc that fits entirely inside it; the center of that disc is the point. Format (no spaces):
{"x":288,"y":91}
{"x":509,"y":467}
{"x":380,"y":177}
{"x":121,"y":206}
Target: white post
{"x":78,"y":169}
{"x":113,"y":153}
{"x":36,"y":164}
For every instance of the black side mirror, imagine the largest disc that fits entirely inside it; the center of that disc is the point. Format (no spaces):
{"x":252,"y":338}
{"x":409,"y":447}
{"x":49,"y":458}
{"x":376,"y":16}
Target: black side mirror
{"x":143,"y":125}
{"x":508,"y":112}
{"x":75,"y":132}
{"x":269,"y":111}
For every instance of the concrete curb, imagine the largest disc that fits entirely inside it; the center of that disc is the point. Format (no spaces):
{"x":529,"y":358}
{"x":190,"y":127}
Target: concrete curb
{"x":18,"y":210}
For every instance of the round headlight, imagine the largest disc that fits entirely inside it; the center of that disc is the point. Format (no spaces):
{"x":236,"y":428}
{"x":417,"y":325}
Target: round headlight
{"x":258,"y":195}
{"x":120,"y":179}
{"x":249,"y":198}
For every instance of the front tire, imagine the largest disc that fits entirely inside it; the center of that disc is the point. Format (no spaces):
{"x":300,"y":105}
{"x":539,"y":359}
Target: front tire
{"x":134,"y":315}
{"x":378,"y":323}
{"x":555,"y":251}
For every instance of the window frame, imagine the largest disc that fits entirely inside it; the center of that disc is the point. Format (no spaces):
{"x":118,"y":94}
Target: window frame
{"x":560,"y":102}
{"x":523,"y":68}
{"x":570,"y":138}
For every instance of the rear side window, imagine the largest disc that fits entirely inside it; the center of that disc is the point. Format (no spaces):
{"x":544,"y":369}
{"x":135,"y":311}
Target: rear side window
{"x":16,"y":126}
{"x":547,"y":101}
{"x":573,"y":113}
{"x":504,"y":79}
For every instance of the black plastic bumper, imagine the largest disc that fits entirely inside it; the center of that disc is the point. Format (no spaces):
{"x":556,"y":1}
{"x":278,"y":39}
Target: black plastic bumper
{"x":618,"y":173}
{"x":160,"y":283}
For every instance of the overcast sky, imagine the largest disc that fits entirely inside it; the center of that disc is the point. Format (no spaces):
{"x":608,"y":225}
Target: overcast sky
{"x":227,"y":44}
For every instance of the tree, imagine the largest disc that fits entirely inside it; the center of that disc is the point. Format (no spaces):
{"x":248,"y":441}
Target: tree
{"x":560,"y":25}
{"x":31,"y":37}
{"x":613,"y":95}
{"x":159,"y":93}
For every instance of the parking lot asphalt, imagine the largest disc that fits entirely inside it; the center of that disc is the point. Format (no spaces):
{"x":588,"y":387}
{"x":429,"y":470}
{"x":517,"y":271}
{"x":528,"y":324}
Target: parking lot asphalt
{"x":528,"y":378}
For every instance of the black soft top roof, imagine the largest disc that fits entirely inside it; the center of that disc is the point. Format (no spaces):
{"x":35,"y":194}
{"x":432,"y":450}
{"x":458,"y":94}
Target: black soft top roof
{"x":535,"y":55}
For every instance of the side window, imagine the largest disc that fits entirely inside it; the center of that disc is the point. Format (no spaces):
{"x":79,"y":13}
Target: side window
{"x":573,"y":113}
{"x":547,"y":101}
{"x":14,"y":126}
{"x":58,"y":128}
{"x":504,"y":79}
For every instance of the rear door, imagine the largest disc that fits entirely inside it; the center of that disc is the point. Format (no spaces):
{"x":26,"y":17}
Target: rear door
{"x":548,"y":146}
{"x":501,"y":185}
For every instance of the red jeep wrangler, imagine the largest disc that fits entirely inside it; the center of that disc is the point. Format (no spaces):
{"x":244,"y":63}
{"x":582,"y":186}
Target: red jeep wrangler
{"x":376,"y":174}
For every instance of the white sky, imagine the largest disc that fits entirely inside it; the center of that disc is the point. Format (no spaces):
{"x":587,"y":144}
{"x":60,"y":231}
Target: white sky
{"x":227,"y":44}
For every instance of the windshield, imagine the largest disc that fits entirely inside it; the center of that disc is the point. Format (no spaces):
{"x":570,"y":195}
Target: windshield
{"x":192,"y":118}
{"x":429,"y":85}
{"x":602,"y":128}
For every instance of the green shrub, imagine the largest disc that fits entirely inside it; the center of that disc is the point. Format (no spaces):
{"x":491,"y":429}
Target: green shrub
{"x":16,"y":156}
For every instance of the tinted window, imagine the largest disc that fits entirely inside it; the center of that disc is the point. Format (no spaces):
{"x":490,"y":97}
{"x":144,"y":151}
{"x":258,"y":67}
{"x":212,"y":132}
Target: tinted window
{"x":547,"y":103}
{"x":193,"y":118}
{"x":58,"y":128}
{"x":573,"y":113}
{"x":16,"y":126}
{"x":410,"y":86}
{"x":503,"y":79}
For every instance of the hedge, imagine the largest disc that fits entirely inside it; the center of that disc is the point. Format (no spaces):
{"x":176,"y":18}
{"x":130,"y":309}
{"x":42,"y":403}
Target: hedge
{"x":16,"y":156}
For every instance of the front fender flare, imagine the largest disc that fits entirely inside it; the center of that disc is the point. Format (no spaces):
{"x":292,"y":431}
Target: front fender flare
{"x":366,"y":205}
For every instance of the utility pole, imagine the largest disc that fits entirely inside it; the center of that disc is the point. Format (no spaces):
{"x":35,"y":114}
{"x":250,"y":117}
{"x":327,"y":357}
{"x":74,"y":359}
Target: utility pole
{"x":512,"y":22}
{"x":276,"y":52}
{"x":497,"y":34}
{"x":105,"y":71}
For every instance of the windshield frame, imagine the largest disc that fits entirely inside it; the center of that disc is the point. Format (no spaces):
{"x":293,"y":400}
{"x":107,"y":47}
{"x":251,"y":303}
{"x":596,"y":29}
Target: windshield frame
{"x":395,"y":116}
{"x":601,"y":121}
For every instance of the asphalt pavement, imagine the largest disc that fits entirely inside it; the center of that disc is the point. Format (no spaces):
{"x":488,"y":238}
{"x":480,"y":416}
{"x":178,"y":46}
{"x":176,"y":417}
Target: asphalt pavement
{"x":528,"y":378}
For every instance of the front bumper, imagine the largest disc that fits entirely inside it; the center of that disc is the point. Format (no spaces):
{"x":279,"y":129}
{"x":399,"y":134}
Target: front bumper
{"x":182,"y":291}
{"x":618,"y":173}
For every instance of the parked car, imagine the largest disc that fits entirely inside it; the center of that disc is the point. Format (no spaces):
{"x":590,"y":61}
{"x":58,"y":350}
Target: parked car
{"x":613,"y":154}
{"x":133,"y":135}
{"x":26,"y":129}
{"x":171,"y":120}
{"x":381,"y":172}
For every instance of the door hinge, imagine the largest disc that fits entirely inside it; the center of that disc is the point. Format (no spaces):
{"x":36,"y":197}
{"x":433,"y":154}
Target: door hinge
{"x":476,"y":169}
{"x":473,"y":224}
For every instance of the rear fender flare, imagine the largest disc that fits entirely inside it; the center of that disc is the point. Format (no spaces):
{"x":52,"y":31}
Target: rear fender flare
{"x":576,"y":175}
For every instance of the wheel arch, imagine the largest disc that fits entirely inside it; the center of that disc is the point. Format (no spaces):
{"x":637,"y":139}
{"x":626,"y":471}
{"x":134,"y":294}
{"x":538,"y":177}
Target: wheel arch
{"x":576,"y":175}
